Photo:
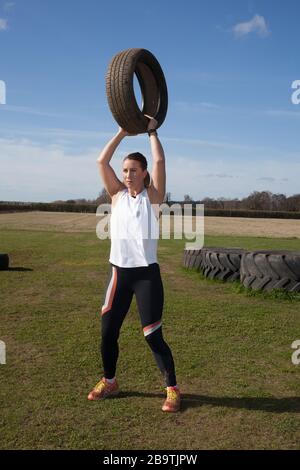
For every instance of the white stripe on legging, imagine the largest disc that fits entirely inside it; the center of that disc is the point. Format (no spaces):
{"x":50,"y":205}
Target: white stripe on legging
{"x":151,"y":330}
{"x":110,"y":292}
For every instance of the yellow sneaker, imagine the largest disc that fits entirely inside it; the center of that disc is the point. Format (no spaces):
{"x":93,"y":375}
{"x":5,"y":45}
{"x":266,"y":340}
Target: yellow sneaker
{"x":103,"y":389}
{"x":172,"y":402}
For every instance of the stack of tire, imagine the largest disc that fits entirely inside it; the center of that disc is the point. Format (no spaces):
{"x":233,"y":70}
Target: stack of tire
{"x":260,"y":270}
{"x":4,"y":261}
{"x":215,"y":263}
{"x":268,"y":270}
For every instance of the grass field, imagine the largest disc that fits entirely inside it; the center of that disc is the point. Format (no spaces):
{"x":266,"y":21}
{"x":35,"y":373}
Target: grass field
{"x":232,"y":352}
{"x":75,"y":222}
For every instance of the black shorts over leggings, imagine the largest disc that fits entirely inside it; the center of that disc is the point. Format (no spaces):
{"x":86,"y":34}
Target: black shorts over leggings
{"x":145,"y":282}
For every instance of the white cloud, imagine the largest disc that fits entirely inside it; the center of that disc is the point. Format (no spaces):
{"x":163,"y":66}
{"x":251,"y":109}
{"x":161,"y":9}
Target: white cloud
{"x":3,"y":24}
{"x":33,"y":111}
{"x":195,"y":106}
{"x":283,"y":113}
{"x":230,"y":177}
{"x":210,"y":144}
{"x":8,"y":6}
{"x":218,"y":175}
{"x":35,"y":172}
{"x":267,"y":178}
{"x":256,"y":25}
{"x":50,"y":170}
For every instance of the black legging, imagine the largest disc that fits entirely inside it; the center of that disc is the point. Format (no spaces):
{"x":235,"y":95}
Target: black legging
{"x":146,"y":284}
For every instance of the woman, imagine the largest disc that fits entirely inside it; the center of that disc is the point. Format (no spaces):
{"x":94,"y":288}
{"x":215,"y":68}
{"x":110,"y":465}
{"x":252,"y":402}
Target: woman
{"x":133,"y":257}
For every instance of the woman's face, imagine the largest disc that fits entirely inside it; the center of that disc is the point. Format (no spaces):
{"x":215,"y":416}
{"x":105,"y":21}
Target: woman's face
{"x":133,"y":175}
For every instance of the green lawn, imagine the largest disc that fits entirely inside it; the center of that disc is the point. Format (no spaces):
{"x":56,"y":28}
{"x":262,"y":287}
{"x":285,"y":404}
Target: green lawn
{"x":232,"y":353}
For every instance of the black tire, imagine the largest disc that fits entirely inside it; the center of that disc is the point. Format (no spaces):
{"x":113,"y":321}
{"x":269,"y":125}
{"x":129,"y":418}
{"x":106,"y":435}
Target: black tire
{"x":120,"y":89}
{"x":215,"y":262}
{"x":222,"y":263}
{"x":4,"y":261}
{"x":192,"y":258}
{"x":271,"y":269}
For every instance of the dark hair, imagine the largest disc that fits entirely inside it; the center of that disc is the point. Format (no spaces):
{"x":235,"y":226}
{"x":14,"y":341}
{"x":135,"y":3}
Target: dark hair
{"x":139,"y":157}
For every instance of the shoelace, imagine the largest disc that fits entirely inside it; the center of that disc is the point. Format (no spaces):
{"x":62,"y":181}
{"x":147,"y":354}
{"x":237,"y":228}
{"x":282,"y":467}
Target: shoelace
{"x":99,"y":386}
{"x":172,"y":395}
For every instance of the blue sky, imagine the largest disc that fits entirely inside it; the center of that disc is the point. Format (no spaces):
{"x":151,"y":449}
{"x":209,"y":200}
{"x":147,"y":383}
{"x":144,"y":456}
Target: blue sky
{"x":231,"y":126}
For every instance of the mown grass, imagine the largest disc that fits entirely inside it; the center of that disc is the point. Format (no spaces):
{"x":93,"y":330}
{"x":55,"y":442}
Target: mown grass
{"x":232,"y":351}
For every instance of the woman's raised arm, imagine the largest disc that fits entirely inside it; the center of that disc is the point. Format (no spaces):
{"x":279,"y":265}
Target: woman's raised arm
{"x":111,"y":182}
{"x":158,"y":177}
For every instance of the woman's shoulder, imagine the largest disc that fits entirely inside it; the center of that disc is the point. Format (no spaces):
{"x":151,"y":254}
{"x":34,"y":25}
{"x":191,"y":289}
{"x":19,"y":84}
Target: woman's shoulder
{"x":153,"y":195}
{"x":116,"y":196}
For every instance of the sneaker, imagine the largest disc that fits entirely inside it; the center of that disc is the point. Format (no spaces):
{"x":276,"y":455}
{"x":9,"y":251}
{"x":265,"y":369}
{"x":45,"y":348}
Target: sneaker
{"x":103,"y":389}
{"x":172,"y":402}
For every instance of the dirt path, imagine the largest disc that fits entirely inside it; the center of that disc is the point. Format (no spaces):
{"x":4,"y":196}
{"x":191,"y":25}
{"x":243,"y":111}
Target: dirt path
{"x":77,"y":222}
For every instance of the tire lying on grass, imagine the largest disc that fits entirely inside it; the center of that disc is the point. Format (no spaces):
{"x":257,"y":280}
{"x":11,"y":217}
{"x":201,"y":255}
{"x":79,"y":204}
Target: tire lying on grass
{"x":120,"y":89}
{"x":271,"y":269}
{"x":4,"y":261}
{"x":215,"y":262}
{"x":192,"y":258}
{"x":222,"y":263}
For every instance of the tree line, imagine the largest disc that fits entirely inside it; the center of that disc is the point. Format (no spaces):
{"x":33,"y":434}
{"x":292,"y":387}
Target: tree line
{"x":257,"y":200}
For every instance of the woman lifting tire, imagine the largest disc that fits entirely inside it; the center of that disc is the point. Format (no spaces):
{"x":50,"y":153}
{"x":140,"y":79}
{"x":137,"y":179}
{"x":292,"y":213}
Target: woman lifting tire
{"x":133,"y":259}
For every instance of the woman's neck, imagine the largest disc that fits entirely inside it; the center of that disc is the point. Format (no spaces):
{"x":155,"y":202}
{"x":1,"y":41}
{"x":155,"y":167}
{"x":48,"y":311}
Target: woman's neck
{"x":135,"y":192}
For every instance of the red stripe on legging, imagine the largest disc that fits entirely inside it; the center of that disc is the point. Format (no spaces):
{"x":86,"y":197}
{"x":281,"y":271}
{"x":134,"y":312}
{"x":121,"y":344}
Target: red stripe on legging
{"x":151,"y":326}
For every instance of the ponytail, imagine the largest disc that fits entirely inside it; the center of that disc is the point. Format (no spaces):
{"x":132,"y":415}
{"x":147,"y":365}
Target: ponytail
{"x":147,"y":180}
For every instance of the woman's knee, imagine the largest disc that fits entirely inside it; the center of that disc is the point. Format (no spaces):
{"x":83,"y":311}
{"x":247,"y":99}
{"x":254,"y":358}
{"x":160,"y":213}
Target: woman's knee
{"x":156,"y":341}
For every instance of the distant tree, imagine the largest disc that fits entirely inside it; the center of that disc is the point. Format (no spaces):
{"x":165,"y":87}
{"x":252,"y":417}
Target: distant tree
{"x":293,"y":203}
{"x":81,"y":201}
{"x":266,"y":200}
{"x":209,"y":203}
{"x":167,"y":197}
{"x":221,"y":202}
{"x":103,"y":198}
{"x":233,"y":204}
{"x":259,"y":200}
{"x":279,"y":202}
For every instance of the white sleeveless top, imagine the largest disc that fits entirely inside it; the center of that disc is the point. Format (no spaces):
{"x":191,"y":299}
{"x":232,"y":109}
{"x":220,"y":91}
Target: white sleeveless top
{"x":134,"y":231}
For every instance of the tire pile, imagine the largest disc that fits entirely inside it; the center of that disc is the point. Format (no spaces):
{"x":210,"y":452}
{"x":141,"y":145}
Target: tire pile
{"x":260,"y":270}
{"x":4,"y":261}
